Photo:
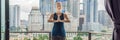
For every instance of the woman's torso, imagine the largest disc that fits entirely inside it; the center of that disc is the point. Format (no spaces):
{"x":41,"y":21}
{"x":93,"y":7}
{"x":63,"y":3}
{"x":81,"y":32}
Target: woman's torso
{"x":58,"y":28}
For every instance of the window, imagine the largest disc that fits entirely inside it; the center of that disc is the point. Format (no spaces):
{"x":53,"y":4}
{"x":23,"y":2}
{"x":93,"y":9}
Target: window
{"x":2,"y":12}
{"x":32,"y":15}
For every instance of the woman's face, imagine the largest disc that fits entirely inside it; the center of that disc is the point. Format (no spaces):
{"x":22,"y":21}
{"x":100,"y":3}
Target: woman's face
{"x":59,"y":6}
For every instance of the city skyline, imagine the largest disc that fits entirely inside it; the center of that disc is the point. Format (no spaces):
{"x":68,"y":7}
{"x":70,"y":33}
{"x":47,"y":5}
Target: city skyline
{"x":25,"y":14}
{"x":26,"y":6}
{"x":90,"y":10}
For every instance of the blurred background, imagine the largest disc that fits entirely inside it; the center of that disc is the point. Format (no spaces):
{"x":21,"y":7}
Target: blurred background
{"x":28,"y":19}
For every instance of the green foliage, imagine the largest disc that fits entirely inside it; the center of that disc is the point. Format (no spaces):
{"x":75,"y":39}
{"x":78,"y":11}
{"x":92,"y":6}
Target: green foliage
{"x":40,"y":37}
{"x":82,"y":34}
{"x":35,"y":38}
{"x":78,"y":36}
{"x":26,"y":38}
{"x":103,"y":31}
{"x":43,"y":37}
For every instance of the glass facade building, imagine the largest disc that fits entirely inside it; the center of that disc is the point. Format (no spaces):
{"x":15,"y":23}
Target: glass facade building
{"x":14,"y":17}
{"x":2,"y":10}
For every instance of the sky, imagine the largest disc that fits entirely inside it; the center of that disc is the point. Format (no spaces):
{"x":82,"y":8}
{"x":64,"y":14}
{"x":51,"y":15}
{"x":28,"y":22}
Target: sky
{"x":26,"y":6}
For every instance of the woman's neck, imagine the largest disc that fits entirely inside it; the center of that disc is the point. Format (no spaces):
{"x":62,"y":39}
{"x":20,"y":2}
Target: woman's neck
{"x":58,"y":12}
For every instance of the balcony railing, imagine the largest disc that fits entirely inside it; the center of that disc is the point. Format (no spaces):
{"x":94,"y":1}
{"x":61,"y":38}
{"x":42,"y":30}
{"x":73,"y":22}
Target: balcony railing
{"x":46,"y":35}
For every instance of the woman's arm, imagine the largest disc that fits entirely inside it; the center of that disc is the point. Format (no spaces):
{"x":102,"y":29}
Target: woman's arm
{"x":51,"y":18}
{"x":66,"y":18}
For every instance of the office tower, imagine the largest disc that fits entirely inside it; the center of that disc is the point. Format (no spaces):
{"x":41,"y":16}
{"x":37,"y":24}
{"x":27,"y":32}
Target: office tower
{"x":75,"y":8}
{"x":91,"y":22}
{"x":104,"y":19}
{"x":46,"y":6}
{"x":14,"y":17}
{"x":35,"y":20}
{"x":91,"y":10}
{"x":82,"y":12}
{"x":69,"y":7}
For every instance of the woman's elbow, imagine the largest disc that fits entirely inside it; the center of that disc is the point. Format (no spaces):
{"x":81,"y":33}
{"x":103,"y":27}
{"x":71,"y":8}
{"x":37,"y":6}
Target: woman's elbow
{"x":49,"y":20}
{"x":68,"y":21}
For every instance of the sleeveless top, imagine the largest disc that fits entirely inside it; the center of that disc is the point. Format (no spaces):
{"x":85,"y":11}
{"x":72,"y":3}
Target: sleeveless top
{"x":58,"y":28}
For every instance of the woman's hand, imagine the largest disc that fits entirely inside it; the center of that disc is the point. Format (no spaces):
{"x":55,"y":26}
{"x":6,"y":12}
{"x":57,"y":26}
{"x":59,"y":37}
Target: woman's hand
{"x":62,"y":21}
{"x":56,"y":21}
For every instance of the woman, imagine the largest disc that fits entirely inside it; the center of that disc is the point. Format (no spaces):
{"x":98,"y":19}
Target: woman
{"x":58,"y":31}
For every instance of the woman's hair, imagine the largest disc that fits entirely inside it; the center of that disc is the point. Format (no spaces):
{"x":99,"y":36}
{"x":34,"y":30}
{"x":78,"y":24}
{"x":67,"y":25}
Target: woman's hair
{"x":59,"y":3}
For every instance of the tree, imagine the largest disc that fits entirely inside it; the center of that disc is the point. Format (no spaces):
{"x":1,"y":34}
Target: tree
{"x":78,"y":36}
{"x":40,"y":37}
{"x":34,"y":38}
{"x":43,"y":37}
{"x":103,"y":31}
{"x":82,"y":34}
{"x":26,"y":38}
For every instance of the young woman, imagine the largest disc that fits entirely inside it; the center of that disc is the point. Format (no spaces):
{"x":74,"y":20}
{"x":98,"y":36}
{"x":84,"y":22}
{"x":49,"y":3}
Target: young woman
{"x":58,"y":31}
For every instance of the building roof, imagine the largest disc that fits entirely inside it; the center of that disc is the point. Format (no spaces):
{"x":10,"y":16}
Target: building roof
{"x":35,"y":8}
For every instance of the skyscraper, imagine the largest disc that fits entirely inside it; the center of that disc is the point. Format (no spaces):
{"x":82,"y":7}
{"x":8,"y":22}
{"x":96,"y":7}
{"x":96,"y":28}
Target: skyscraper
{"x":75,"y":8}
{"x":69,"y":7}
{"x":91,"y":22}
{"x":82,"y":12}
{"x":14,"y":17}
{"x":35,"y":20}
{"x":46,"y":6}
{"x":104,"y":19}
{"x":91,"y":10}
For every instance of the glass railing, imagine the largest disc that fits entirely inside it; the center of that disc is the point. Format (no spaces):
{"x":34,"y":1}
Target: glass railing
{"x":101,"y":36}
{"x":45,"y":35}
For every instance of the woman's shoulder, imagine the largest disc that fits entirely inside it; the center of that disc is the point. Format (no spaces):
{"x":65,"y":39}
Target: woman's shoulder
{"x":64,"y":14}
{"x":52,"y":14}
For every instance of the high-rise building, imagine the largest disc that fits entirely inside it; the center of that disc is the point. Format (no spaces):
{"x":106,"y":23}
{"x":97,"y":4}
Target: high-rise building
{"x":75,"y":8}
{"x":23,"y":25}
{"x":69,"y":7}
{"x":14,"y":17}
{"x":46,"y":6}
{"x":104,"y":19}
{"x":82,"y":12}
{"x":90,"y":10}
{"x":35,"y":20}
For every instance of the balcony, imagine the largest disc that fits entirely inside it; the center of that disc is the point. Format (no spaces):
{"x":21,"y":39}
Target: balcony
{"x":46,"y":35}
